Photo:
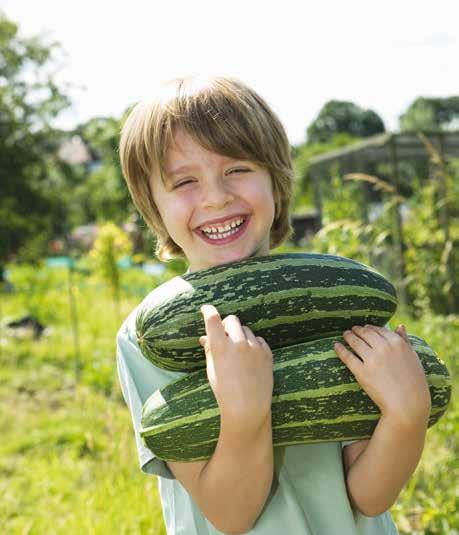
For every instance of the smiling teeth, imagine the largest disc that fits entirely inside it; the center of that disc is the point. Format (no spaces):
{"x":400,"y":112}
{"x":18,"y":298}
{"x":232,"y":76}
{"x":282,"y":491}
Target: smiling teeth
{"x":219,"y":233}
{"x":224,"y":228}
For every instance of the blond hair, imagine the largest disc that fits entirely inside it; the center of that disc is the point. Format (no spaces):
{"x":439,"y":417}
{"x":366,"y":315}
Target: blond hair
{"x":224,"y":116}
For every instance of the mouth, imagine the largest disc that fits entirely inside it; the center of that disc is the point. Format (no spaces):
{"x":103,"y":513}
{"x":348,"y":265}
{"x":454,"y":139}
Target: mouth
{"x":222,"y":238}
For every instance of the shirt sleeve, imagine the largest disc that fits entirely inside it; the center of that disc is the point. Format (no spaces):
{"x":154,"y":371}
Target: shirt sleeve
{"x":139,"y":378}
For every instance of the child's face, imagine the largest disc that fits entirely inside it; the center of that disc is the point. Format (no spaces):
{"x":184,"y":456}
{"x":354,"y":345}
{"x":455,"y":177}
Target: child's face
{"x":214,"y":187}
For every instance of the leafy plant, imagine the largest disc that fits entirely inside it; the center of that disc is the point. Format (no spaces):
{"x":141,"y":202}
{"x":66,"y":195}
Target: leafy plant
{"x":432,"y":231}
{"x":111,"y":245}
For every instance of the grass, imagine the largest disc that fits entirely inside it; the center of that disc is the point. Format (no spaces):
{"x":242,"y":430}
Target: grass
{"x":68,"y":462}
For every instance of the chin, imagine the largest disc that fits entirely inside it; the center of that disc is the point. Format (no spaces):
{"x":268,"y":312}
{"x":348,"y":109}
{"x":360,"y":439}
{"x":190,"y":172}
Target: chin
{"x":238,"y":255}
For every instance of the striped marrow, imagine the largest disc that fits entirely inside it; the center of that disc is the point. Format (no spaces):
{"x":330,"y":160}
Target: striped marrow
{"x":285,"y":298}
{"x":315,"y":399}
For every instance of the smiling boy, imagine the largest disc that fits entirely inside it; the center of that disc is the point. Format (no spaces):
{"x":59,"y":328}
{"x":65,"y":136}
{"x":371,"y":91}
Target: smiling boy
{"x":208,"y":165}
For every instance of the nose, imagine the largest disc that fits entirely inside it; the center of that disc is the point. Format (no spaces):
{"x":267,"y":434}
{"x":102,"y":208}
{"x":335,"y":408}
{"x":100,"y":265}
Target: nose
{"x":216,"y":194}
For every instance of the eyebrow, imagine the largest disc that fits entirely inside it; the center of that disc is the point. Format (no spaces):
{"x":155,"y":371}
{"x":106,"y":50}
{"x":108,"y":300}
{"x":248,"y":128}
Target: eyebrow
{"x":178,"y":170}
{"x":186,"y":168}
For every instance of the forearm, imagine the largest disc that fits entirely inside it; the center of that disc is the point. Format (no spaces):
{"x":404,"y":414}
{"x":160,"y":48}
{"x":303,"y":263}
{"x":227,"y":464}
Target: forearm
{"x":376,"y":478}
{"x":235,"y":483}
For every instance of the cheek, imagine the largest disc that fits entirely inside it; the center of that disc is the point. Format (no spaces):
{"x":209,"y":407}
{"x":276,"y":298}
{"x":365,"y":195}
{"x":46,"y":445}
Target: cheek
{"x":262,"y":195}
{"x":176,"y":215}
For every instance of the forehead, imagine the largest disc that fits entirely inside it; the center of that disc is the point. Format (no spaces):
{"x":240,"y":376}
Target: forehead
{"x":184,"y":151}
{"x":182,"y":143}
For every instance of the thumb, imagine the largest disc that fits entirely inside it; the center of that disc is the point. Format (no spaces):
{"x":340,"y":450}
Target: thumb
{"x":203,"y":340}
{"x":401,"y":330}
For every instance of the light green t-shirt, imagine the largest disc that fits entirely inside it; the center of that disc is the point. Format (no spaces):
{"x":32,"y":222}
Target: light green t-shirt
{"x":308,"y":494}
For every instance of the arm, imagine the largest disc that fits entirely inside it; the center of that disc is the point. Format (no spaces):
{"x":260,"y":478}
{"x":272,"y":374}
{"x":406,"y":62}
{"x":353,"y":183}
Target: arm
{"x":392,"y":375}
{"x":383,"y":465}
{"x":231,"y":488}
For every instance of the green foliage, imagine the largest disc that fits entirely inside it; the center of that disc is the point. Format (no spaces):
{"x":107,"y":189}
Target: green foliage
{"x":111,"y":245}
{"x":431,"y":260}
{"x":104,"y":194}
{"x":177,"y":266}
{"x":42,"y":196}
{"x":344,"y":230}
{"x":427,"y":249}
{"x":303,"y":193}
{"x":41,"y":292}
{"x":431,"y":114}
{"x":29,"y":100}
{"x":337,"y":117}
{"x":429,"y":502}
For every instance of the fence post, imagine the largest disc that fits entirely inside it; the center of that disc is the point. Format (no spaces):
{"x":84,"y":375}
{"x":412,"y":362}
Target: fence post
{"x":74,"y":320}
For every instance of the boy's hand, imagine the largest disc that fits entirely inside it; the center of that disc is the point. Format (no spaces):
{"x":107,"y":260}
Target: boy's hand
{"x":389,"y":371}
{"x":240,"y":370}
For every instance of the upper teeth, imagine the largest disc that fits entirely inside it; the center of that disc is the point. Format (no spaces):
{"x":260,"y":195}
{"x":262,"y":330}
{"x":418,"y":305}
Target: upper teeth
{"x":223,"y":228}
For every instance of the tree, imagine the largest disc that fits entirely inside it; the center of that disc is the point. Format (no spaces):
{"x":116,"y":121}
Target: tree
{"x":106,"y":193}
{"x":29,"y":100}
{"x":338,"y":117}
{"x":431,"y":114}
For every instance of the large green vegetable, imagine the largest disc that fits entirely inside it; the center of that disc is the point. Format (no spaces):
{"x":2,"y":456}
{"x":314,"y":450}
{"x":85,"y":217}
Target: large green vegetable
{"x":315,"y":399}
{"x":301,"y":304}
{"x":286,"y":298}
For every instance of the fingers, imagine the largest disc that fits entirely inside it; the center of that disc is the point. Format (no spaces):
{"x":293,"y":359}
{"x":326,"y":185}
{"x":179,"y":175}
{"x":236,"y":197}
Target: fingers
{"x":348,"y":358}
{"x":255,"y":340}
{"x":387,"y":334}
{"x":361,"y":341}
{"x":250,"y":337}
{"x":234,"y":329}
{"x":241,"y":333}
{"x":370,"y":336}
{"x":372,"y":340}
{"x":213,"y":324}
{"x":218,"y":330}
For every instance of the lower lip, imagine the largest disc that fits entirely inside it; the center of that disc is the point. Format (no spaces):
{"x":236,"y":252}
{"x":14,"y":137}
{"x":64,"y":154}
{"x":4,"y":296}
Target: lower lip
{"x":229,"y":239}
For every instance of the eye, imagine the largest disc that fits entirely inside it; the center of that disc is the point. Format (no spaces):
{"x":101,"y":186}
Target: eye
{"x":238,"y":170}
{"x":178,"y":185}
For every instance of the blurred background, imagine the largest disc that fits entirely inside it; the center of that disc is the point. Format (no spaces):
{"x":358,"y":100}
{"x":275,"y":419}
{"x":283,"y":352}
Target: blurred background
{"x":369,"y":96}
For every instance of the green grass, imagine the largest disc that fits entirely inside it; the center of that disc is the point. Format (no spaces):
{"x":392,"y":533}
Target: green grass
{"x":68,"y":462}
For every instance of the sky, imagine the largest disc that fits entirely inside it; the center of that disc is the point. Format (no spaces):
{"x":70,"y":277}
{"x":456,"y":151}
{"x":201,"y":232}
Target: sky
{"x":296,"y":54}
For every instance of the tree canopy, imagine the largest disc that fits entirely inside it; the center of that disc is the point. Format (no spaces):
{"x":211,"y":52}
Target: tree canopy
{"x":342,"y":117}
{"x":43,"y":196}
{"x":29,"y":100}
{"x":431,"y":114}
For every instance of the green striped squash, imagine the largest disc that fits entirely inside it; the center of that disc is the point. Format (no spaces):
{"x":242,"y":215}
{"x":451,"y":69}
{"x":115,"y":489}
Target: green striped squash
{"x":285,"y":298}
{"x":315,"y":399}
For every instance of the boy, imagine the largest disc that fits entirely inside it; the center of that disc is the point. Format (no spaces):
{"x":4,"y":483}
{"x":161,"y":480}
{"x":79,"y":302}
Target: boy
{"x":208,"y":166}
